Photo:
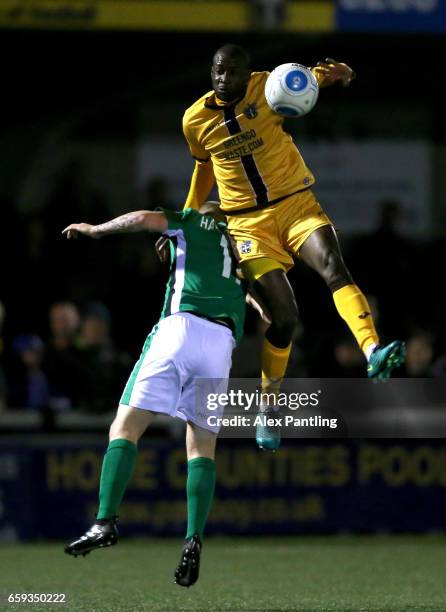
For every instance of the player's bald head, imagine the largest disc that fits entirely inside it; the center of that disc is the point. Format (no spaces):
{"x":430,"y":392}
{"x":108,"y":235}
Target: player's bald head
{"x":230,"y":72}
{"x":235,"y":53}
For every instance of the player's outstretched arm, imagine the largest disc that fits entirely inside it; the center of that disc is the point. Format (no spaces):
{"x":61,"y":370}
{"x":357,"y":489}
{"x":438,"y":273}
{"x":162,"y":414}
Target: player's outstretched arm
{"x":136,"y":221}
{"x":329,"y":72}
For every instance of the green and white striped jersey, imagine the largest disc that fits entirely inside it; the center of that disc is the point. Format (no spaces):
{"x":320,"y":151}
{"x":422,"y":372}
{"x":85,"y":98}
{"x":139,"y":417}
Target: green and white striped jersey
{"x":202,"y":277}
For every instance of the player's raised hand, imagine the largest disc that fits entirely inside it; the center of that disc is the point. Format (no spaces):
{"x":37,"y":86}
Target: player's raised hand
{"x":73,"y":230}
{"x":334,"y":72}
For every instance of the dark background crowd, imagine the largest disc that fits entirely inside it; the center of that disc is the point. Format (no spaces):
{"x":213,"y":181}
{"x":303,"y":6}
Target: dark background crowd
{"x":74,"y":315}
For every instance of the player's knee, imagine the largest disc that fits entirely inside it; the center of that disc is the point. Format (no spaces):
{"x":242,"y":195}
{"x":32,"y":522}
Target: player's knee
{"x":334,"y":271}
{"x":286,"y":326}
{"x":292,"y":324}
{"x":129,"y":424}
{"x":200,"y":442}
{"x":119,"y":430}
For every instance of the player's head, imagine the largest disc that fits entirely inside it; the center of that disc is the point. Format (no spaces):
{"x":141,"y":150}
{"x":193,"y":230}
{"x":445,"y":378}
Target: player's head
{"x":212,"y":209}
{"x":230,"y":72}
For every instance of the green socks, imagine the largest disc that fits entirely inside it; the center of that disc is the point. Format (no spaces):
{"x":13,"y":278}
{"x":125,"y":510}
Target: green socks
{"x":200,"y":493}
{"x":117,"y":469}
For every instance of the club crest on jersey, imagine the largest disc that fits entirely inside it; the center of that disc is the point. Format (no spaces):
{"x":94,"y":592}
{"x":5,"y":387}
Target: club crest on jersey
{"x":245,"y":247}
{"x":250,"y":111}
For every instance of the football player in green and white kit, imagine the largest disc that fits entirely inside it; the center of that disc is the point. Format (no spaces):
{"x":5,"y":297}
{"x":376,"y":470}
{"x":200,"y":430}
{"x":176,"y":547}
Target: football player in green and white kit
{"x":201,"y":321}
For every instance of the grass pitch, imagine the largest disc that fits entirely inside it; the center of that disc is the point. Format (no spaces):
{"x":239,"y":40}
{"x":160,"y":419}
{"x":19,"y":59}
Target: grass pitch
{"x":338,"y":573}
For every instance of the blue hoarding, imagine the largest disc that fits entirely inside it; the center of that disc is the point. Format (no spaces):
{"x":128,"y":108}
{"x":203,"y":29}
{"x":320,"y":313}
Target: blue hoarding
{"x":311,"y":486}
{"x":409,"y":16}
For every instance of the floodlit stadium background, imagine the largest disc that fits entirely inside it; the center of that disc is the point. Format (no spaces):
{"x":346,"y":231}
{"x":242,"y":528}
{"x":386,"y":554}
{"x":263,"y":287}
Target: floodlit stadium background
{"x":90,"y":127}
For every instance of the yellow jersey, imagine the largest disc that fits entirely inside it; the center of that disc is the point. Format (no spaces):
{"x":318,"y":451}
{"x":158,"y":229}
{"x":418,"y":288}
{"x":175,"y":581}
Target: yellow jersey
{"x":255,"y":162}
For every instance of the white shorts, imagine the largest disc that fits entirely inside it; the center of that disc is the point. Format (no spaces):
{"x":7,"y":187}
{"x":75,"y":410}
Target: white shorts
{"x":184,"y":358}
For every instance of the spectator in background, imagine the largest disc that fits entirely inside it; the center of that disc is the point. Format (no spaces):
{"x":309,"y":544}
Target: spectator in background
{"x":348,"y":359}
{"x":95,"y":328}
{"x":388,"y":234}
{"x":390,"y":215}
{"x":104,"y":370}
{"x":29,"y":386}
{"x":64,"y":323}
{"x":420,"y":354}
{"x":63,"y":360}
{"x":384,"y":259}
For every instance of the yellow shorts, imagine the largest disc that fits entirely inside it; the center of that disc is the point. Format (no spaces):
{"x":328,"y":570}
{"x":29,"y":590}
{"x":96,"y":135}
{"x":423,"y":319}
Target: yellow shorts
{"x":276,"y":233}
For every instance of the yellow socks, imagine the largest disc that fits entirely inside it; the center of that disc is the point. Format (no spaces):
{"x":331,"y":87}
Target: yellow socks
{"x":274,"y":364}
{"x":353,"y":307}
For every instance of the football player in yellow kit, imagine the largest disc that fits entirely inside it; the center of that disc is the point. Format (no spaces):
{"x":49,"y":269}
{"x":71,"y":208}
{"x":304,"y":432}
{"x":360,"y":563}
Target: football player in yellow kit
{"x":273,"y":215}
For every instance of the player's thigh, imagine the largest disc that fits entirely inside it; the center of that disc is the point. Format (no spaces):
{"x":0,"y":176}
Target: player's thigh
{"x":300,"y":220}
{"x":155,"y":382}
{"x":200,"y":442}
{"x":217,"y":343}
{"x":130,"y":423}
{"x":205,"y":377}
{"x":319,"y":246}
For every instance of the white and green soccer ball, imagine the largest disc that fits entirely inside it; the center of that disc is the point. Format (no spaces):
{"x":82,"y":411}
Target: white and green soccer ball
{"x":291,"y":90}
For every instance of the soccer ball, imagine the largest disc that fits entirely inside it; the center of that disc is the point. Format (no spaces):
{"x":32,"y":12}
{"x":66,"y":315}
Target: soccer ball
{"x":291,"y":90}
